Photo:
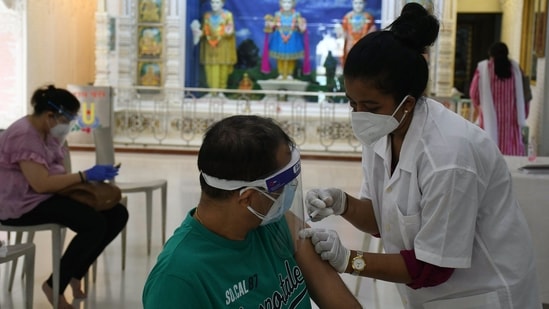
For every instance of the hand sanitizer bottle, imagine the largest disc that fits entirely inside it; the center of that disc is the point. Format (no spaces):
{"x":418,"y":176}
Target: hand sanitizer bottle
{"x":532,"y":150}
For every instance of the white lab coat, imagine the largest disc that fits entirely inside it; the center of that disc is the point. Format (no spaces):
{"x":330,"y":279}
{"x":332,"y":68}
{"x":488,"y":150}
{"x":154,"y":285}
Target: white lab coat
{"x":450,"y":199}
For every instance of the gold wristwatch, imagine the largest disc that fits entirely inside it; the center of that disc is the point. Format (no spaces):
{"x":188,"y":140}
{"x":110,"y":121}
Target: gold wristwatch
{"x":358,"y":263}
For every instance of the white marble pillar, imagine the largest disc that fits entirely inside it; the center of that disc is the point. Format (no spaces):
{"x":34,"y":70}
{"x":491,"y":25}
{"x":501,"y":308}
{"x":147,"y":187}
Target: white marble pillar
{"x":126,"y":55}
{"x":174,"y":72}
{"x":442,"y":54}
{"x":173,"y":78}
{"x":127,"y":45}
{"x":390,"y":10}
{"x":101,"y":45}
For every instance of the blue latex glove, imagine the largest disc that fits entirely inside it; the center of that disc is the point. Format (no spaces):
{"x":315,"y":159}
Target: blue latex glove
{"x":101,"y":173}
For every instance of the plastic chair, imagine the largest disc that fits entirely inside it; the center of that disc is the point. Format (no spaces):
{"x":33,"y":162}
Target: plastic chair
{"x":57,"y":239}
{"x":104,"y":154}
{"x":13,"y":254}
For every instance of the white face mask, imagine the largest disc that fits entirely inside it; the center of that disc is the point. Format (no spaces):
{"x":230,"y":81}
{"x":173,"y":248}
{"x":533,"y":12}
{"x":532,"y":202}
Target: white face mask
{"x":282,"y":204}
{"x":61,"y":130}
{"x":369,"y":127}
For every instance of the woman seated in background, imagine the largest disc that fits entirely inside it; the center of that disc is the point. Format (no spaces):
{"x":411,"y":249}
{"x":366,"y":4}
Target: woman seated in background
{"x":32,"y":154}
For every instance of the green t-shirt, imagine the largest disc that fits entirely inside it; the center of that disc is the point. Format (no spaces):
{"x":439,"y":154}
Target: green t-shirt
{"x":199,"y":269}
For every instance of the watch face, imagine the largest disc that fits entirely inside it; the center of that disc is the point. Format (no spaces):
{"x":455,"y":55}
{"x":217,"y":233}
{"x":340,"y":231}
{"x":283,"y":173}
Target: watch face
{"x":358,"y":264}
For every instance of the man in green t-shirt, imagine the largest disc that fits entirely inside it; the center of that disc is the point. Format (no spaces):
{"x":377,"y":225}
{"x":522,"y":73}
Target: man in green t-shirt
{"x":239,"y":247}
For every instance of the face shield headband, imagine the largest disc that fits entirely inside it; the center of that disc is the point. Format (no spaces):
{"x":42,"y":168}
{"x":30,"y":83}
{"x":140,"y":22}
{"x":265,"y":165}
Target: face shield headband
{"x":61,"y":111}
{"x":271,"y":184}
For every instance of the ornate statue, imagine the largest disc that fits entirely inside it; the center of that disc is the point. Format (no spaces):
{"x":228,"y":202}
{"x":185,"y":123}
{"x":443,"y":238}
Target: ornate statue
{"x":286,"y":40}
{"x":217,"y":44}
{"x":246,"y":83}
{"x":356,"y":24}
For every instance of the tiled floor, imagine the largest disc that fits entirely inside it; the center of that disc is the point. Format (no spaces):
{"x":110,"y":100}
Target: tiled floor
{"x":117,"y":289}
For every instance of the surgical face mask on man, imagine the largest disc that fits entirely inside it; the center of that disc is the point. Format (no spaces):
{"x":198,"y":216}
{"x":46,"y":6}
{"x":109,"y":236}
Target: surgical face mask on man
{"x":282,"y":204}
{"x":369,"y":127}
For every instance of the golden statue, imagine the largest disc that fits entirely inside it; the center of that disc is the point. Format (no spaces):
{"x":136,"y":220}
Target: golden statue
{"x":246,"y":83}
{"x":466,"y":110}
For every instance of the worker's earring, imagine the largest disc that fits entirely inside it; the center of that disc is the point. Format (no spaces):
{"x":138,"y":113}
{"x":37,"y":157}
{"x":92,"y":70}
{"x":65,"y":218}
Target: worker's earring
{"x":403,"y":116}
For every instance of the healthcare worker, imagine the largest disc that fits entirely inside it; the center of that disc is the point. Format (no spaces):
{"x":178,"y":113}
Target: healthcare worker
{"x":436,"y":189}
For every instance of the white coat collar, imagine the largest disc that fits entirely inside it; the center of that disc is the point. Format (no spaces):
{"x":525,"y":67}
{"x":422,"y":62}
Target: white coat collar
{"x":383,"y":151}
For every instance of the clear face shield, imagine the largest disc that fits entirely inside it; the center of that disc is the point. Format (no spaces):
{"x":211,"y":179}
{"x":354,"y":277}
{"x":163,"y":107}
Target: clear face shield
{"x":283,"y":188}
{"x":64,"y":123}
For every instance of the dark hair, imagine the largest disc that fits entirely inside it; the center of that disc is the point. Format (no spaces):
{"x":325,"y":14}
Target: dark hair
{"x":62,"y":100}
{"x":242,"y":147}
{"x":393,"y":58}
{"x":502,"y":65}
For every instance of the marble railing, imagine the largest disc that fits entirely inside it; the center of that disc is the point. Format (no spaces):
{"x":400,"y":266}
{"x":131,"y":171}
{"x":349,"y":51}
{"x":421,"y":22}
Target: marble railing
{"x":178,"y":118}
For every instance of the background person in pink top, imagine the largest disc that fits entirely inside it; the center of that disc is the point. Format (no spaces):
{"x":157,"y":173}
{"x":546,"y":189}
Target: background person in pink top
{"x":32,"y":171}
{"x":498,"y":93}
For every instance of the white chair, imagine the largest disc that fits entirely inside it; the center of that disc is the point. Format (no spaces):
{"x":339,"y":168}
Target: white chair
{"x":58,"y":233}
{"x":13,"y":254}
{"x":57,"y":239}
{"x":104,"y":154}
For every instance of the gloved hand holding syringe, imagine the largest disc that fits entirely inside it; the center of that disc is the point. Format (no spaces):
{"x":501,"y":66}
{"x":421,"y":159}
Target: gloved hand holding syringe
{"x":321,"y":203}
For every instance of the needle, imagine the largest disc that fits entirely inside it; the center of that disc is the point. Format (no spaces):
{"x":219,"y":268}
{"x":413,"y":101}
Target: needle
{"x":312,"y":215}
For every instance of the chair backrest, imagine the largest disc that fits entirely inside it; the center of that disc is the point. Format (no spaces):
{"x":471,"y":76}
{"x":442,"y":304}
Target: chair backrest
{"x":104,"y":147}
{"x":67,"y":159}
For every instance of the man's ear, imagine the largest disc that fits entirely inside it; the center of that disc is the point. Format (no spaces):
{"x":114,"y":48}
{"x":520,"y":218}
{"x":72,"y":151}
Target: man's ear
{"x":245,"y":197}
